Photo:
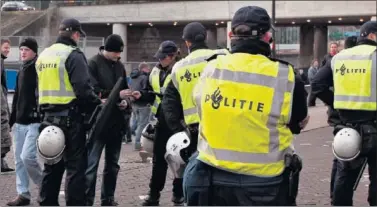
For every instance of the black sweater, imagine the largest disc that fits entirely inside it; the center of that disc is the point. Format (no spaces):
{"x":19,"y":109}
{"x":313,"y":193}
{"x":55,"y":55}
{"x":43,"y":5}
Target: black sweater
{"x":26,"y":94}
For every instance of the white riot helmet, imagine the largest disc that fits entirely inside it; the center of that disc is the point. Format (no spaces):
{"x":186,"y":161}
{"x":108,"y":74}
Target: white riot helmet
{"x":176,"y":155}
{"x":147,"y":138}
{"x":347,"y":144}
{"x":51,"y":145}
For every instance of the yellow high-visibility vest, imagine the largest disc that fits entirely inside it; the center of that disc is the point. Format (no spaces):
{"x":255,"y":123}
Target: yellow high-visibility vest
{"x":53,"y":80}
{"x":154,"y":80}
{"x":244,"y":102}
{"x":355,"y":81}
{"x":185,"y":75}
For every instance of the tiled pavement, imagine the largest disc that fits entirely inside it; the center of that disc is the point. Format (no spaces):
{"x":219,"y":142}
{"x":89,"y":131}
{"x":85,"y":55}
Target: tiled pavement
{"x":313,"y":145}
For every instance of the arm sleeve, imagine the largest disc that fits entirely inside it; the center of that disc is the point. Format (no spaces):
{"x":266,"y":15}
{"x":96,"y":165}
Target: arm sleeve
{"x":78,"y":72}
{"x":145,"y":87}
{"x":172,"y":108}
{"x":12,"y":117}
{"x":321,"y":84}
{"x":299,"y":107}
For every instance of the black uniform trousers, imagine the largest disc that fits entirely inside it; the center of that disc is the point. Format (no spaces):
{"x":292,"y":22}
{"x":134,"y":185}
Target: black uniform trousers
{"x":113,"y":145}
{"x":346,"y":176}
{"x":160,"y":166}
{"x":74,"y":162}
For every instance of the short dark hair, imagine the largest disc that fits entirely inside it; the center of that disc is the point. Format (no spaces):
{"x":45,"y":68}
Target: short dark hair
{"x":245,"y":31}
{"x":5,"y":41}
{"x":66,"y":33}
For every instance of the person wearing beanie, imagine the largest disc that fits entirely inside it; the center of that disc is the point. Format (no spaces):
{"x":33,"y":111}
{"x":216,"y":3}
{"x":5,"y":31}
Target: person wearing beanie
{"x":355,"y":106}
{"x":25,"y":119}
{"x":65,"y":94}
{"x":246,"y":124}
{"x":105,"y":69}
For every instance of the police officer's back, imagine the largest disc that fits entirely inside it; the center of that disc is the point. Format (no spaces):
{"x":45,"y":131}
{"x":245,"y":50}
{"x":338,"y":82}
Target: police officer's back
{"x":185,"y":74}
{"x":64,"y":93}
{"x":355,"y":98}
{"x":246,"y":123}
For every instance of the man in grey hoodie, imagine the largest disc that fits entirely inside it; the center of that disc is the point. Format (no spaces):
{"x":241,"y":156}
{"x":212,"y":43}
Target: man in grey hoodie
{"x":141,"y":107}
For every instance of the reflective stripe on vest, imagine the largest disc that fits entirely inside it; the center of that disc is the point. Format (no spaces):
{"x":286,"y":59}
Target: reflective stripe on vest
{"x":154,"y":80}
{"x":244,"y":136}
{"x":53,"y":80}
{"x":185,"y":75}
{"x":355,"y":78}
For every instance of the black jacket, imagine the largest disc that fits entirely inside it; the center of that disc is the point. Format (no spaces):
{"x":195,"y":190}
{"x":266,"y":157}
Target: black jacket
{"x":3,"y":75}
{"x":139,"y":82}
{"x":322,"y":84}
{"x":172,"y":102}
{"x":104,"y":74}
{"x":25,"y":99}
{"x":78,"y":72}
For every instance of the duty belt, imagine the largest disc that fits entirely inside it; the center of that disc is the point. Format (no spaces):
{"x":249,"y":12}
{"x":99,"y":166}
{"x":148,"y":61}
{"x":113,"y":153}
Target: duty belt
{"x":61,"y":118}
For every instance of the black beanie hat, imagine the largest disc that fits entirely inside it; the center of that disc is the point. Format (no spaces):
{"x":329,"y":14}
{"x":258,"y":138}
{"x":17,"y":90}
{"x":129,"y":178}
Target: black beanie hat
{"x":114,"y":43}
{"x":31,"y":43}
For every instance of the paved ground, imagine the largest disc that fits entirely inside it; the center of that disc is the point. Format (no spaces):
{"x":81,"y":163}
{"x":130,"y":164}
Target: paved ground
{"x":313,"y":145}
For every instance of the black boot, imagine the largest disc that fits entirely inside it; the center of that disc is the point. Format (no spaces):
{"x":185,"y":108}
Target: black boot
{"x":4,"y":166}
{"x":109,"y":202}
{"x":19,"y":201}
{"x":153,"y":199}
{"x":178,"y":201}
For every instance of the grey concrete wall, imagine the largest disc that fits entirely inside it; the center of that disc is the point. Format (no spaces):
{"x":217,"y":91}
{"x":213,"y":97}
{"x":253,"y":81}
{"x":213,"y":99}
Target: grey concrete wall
{"x":212,"y":10}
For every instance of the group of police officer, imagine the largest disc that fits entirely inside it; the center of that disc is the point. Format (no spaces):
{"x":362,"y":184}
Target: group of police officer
{"x":226,"y":118}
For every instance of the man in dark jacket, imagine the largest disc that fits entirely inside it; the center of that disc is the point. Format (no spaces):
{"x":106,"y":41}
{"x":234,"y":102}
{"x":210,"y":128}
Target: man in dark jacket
{"x":141,"y":107}
{"x":65,"y":110}
{"x":318,"y":85}
{"x":26,"y":119}
{"x":105,"y":70}
{"x":6,"y":141}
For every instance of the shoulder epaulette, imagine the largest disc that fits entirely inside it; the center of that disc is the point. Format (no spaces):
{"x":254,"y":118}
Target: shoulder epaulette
{"x":214,"y":56}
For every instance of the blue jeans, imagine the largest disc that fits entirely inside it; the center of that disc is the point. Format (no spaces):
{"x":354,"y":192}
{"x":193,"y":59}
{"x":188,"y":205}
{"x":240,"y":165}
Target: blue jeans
{"x":25,"y":153}
{"x":141,"y":118}
{"x":133,"y":123}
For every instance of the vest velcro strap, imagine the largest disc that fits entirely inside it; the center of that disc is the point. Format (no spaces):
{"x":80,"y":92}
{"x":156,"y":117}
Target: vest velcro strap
{"x":242,"y":157}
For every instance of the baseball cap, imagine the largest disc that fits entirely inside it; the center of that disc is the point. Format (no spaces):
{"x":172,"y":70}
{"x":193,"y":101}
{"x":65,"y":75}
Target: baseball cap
{"x":367,"y":28}
{"x":71,"y":25}
{"x":253,"y":16}
{"x":194,"y":32}
{"x":166,"y":48}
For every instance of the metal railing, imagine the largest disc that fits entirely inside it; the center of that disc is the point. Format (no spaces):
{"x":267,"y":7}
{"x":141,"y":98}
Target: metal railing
{"x":88,"y":45}
{"x":103,"y":2}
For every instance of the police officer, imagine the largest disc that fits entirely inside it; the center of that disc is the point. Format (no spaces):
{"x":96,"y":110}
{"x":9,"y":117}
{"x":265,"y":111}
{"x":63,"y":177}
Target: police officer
{"x":158,"y":81}
{"x":322,"y":89}
{"x":356,"y":105}
{"x":185,"y":75}
{"x":65,"y":94}
{"x":249,"y":107}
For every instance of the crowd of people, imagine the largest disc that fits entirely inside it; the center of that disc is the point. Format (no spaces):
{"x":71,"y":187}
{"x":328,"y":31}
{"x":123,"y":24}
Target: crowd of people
{"x":190,"y":106}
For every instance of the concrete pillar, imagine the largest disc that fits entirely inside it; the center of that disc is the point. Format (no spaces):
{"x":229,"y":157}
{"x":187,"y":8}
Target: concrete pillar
{"x":320,"y":42}
{"x":306,"y":46}
{"x":221,"y":37}
{"x":212,"y":38}
{"x":121,"y":30}
{"x":228,"y":30}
